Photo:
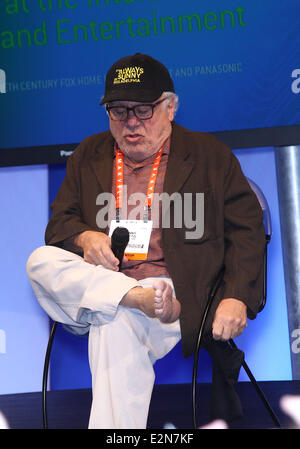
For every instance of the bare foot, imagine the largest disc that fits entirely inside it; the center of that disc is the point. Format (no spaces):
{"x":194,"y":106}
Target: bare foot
{"x":167,"y":307}
{"x":156,"y":301}
{"x":141,"y":298}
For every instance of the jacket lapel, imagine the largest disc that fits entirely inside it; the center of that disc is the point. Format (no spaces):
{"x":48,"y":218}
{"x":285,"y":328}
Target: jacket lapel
{"x":179,"y":164}
{"x":102,"y":163}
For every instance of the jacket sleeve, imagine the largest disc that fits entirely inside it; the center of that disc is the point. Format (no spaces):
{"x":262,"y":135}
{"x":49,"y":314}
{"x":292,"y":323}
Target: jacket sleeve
{"x":245,"y":240}
{"x":66,"y":220}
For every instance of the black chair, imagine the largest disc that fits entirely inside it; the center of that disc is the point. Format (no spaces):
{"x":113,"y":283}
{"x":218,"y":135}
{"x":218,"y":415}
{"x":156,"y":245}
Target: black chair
{"x":45,"y":374}
{"x":268,"y":232}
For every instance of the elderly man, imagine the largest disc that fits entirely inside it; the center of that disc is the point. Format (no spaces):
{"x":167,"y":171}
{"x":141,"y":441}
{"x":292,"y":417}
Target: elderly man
{"x":137,"y":315}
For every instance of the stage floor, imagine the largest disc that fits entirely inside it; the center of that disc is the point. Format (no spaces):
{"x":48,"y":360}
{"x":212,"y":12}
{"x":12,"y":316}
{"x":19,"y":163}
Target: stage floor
{"x":69,"y":409}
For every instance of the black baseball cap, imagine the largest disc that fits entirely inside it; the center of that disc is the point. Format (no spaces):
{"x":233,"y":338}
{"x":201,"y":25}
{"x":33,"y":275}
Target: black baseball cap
{"x":137,"y":78}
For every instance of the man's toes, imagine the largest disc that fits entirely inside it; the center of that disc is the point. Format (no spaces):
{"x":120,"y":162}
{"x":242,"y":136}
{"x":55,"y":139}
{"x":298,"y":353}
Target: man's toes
{"x":158,"y":295}
{"x":159,"y":303}
{"x":167,"y":294}
{"x":162,"y":290}
{"x":159,"y":284}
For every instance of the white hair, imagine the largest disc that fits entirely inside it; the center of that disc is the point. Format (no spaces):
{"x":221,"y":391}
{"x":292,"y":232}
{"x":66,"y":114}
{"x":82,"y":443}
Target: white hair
{"x":172,"y":98}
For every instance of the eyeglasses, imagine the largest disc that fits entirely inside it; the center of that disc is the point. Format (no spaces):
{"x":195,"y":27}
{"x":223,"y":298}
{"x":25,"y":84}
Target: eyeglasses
{"x":141,"y":111}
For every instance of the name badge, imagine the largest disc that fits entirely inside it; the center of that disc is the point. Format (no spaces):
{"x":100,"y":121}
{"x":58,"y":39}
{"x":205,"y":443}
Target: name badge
{"x":139,"y":237}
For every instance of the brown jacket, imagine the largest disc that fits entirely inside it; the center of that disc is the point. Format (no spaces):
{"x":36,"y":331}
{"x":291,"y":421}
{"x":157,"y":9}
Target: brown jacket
{"x":233,"y":236}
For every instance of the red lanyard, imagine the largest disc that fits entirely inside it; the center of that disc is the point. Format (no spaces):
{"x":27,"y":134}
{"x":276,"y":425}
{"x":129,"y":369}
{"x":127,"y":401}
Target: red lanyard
{"x":120,"y":178}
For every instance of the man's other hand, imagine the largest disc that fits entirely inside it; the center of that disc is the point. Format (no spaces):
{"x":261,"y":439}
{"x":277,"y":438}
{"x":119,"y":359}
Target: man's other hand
{"x":230,"y":319}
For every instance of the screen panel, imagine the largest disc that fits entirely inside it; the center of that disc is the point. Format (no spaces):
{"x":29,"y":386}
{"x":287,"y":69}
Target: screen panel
{"x":235,"y":67}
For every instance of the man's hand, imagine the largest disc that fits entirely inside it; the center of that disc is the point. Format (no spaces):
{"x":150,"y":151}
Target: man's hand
{"x":230,"y":319}
{"x":97,"y":249}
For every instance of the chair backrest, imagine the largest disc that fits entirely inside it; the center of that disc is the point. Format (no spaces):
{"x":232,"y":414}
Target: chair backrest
{"x":268,"y":231}
{"x":265,"y":208}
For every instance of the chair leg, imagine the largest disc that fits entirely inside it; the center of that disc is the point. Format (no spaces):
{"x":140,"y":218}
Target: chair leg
{"x":198,"y":345}
{"x":45,"y":375}
{"x":258,"y":389}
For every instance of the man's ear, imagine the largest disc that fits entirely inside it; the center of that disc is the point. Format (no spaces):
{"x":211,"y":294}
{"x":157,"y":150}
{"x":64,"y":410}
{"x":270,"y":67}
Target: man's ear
{"x":171,"y":110}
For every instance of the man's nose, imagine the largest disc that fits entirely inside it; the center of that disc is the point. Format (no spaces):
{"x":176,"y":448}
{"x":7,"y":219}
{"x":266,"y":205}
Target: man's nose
{"x":132,"y":120}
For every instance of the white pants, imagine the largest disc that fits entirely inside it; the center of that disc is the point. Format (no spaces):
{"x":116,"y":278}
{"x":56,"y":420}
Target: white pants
{"x":123,"y":343}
